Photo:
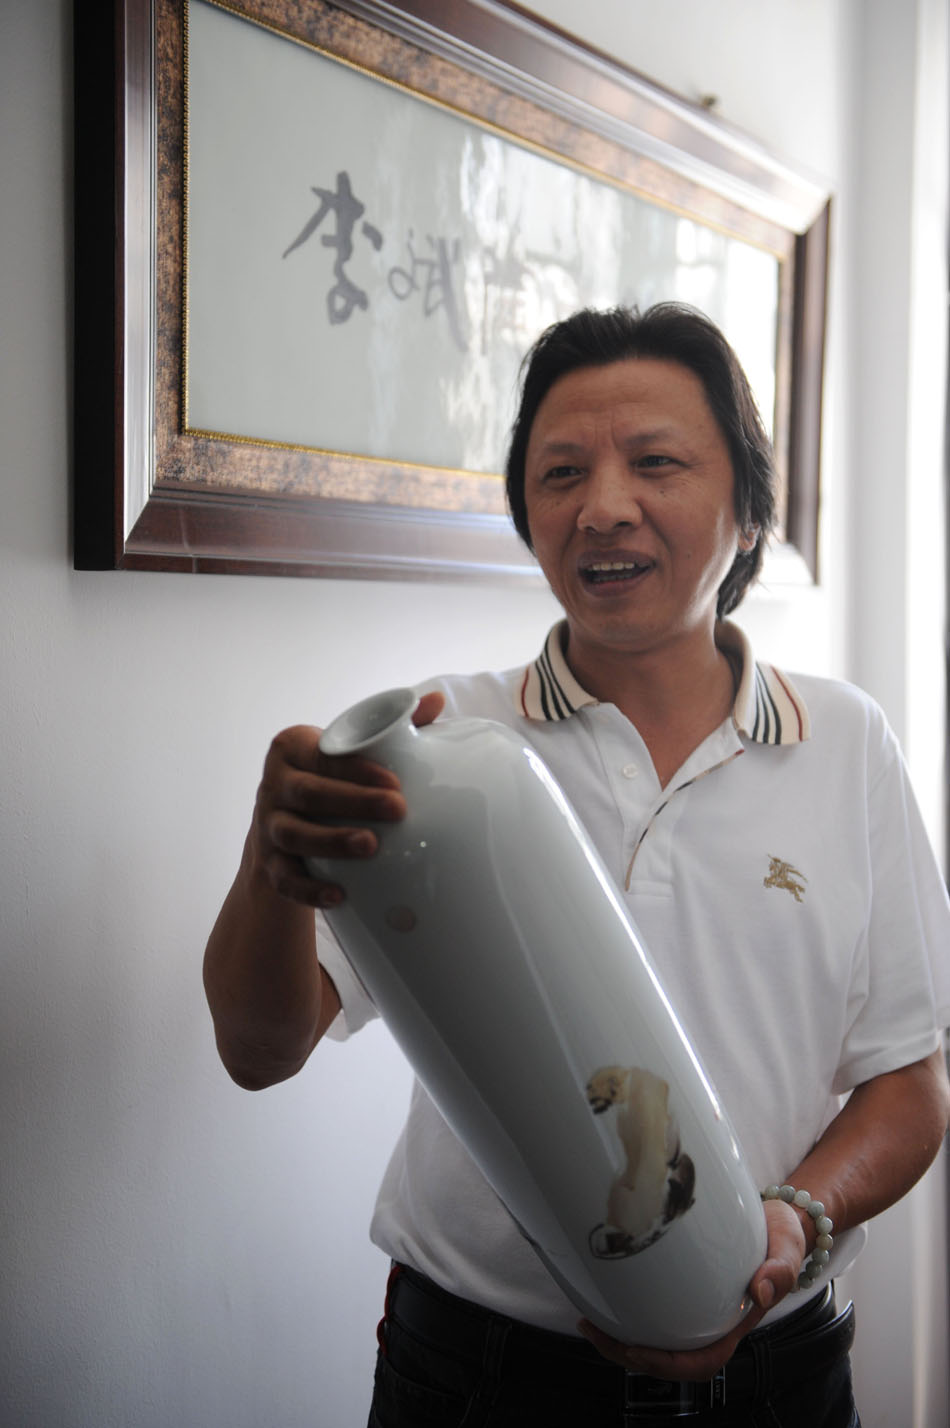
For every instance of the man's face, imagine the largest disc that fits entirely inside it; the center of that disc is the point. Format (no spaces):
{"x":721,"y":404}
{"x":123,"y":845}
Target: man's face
{"x":629,"y":497}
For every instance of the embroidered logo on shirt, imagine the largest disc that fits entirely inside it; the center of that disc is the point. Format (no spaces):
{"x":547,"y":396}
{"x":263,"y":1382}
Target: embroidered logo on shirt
{"x":783,"y":875}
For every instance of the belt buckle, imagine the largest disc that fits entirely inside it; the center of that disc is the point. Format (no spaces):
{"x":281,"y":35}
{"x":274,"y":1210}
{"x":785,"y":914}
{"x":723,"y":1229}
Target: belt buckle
{"x":658,"y":1399}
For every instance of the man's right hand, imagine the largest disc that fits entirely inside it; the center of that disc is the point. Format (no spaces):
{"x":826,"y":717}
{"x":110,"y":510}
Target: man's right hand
{"x":312,"y":806}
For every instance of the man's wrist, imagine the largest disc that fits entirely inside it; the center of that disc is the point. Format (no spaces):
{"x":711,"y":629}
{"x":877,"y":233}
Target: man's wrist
{"x":816,"y":1225}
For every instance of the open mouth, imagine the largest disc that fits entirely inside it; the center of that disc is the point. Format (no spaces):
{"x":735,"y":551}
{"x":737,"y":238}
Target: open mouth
{"x":603,"y":572}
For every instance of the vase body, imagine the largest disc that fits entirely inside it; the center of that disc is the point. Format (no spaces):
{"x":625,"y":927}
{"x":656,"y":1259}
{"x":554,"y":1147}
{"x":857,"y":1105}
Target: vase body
{"x":501,"y":957}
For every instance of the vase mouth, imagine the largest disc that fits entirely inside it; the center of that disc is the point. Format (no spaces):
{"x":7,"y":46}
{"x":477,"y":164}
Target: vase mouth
{"x":365,"y":723}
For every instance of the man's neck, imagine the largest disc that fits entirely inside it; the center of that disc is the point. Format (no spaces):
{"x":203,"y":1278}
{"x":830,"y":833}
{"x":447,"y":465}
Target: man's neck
{"x":676,"y":698}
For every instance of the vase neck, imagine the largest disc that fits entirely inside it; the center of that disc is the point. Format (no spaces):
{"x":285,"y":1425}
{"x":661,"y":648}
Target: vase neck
{"x":380,"y":728}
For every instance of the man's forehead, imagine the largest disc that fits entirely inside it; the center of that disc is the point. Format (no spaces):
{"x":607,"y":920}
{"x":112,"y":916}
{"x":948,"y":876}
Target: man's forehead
{"x":638,"y":398}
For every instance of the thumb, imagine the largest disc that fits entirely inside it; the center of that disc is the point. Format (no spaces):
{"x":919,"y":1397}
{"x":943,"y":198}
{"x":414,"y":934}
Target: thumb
{"x":429,"y":708}
{"x":786,"y":1251}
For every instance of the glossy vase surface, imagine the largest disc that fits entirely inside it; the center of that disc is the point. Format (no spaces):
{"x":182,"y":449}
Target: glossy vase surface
{"x":500,"y":955}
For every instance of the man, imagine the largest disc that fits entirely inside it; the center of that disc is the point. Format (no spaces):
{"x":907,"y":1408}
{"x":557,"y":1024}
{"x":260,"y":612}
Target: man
{"x":765,"y":838}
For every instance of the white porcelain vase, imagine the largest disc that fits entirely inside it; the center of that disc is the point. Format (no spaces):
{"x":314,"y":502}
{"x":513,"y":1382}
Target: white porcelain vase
{"x":500,"y":955}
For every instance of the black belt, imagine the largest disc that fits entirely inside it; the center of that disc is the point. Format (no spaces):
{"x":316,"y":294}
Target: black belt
{"x":772,"y":1359}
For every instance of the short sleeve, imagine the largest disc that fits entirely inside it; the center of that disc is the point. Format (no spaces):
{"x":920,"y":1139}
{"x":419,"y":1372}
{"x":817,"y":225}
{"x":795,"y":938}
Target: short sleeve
{"x":356,"y":1005}
{"x":902,"y":997}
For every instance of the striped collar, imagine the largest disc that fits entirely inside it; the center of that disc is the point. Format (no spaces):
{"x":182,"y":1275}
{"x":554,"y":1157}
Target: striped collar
{"x":768,"y":708}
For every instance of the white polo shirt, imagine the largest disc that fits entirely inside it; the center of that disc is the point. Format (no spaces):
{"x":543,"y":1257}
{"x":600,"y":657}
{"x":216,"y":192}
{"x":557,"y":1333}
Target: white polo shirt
{"x":786,"y":890}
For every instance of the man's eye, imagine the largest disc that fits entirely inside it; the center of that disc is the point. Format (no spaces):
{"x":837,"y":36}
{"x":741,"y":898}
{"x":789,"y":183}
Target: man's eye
{"x":561,"y":473}
{"x":654,"y":461}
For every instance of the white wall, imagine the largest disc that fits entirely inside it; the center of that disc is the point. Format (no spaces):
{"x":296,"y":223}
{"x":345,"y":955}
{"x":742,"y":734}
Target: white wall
{"x":174,"y":1250}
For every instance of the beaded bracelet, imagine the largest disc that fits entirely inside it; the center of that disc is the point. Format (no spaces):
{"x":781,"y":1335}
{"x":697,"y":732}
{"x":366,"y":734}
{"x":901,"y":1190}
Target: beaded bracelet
{"x":821,"y":1254}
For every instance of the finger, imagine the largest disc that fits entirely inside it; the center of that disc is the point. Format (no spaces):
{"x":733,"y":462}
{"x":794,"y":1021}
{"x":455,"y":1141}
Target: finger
{"x":772,"y":1281}
{"x":778,"y":1276}
{"x":298,"y":748}
{"x":301,"y":838}
{"x":356,"y":769}
{"x":677,"y":1365}
{"x":318,"y":798}
{"x":428,"y":709}
{"x":290,"y":879}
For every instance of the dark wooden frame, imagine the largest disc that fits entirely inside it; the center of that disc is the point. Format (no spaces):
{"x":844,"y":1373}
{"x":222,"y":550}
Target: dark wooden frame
{"x":151,"y":495}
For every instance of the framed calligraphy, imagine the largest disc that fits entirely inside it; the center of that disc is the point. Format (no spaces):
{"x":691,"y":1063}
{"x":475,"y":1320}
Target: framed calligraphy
{"x":314,"y":241}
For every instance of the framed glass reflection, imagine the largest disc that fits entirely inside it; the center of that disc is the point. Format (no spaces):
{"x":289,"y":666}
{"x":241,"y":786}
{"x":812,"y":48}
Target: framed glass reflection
{"x":343,"y":226}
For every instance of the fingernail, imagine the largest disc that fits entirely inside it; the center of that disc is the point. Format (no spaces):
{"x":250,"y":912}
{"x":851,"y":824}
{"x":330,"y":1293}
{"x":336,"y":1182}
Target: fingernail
{"x":766,"y":1294}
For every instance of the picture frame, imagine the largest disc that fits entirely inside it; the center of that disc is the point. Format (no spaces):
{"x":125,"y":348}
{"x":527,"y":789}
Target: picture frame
{"x":157,"y":490}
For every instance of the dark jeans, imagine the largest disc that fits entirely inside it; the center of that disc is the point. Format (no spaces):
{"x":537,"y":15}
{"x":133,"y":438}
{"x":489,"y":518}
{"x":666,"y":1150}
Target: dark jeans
{"x":483,"y":1383}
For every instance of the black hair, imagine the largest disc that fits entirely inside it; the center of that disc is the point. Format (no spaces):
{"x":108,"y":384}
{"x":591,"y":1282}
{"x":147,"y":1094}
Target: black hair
{"x":671,"y":332}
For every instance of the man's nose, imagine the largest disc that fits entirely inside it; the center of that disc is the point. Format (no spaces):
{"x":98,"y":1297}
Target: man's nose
{"x":610,"y":498}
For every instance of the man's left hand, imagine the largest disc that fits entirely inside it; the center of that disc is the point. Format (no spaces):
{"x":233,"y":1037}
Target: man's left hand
{"x":775,"y":1278}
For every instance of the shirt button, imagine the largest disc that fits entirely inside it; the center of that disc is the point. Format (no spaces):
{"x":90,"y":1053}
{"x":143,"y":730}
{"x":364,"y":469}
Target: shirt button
{"x":629,"y":770}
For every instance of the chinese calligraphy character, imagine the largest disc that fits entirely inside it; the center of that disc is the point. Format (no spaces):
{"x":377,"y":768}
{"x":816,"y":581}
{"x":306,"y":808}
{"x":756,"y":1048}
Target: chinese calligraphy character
{"x":509,"y":285}
{"x":436,"y":285}
{"x":345,"y":295}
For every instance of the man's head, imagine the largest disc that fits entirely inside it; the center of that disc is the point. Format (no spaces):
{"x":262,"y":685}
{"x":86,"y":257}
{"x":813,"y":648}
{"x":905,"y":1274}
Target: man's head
{"x":669,"y":332}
